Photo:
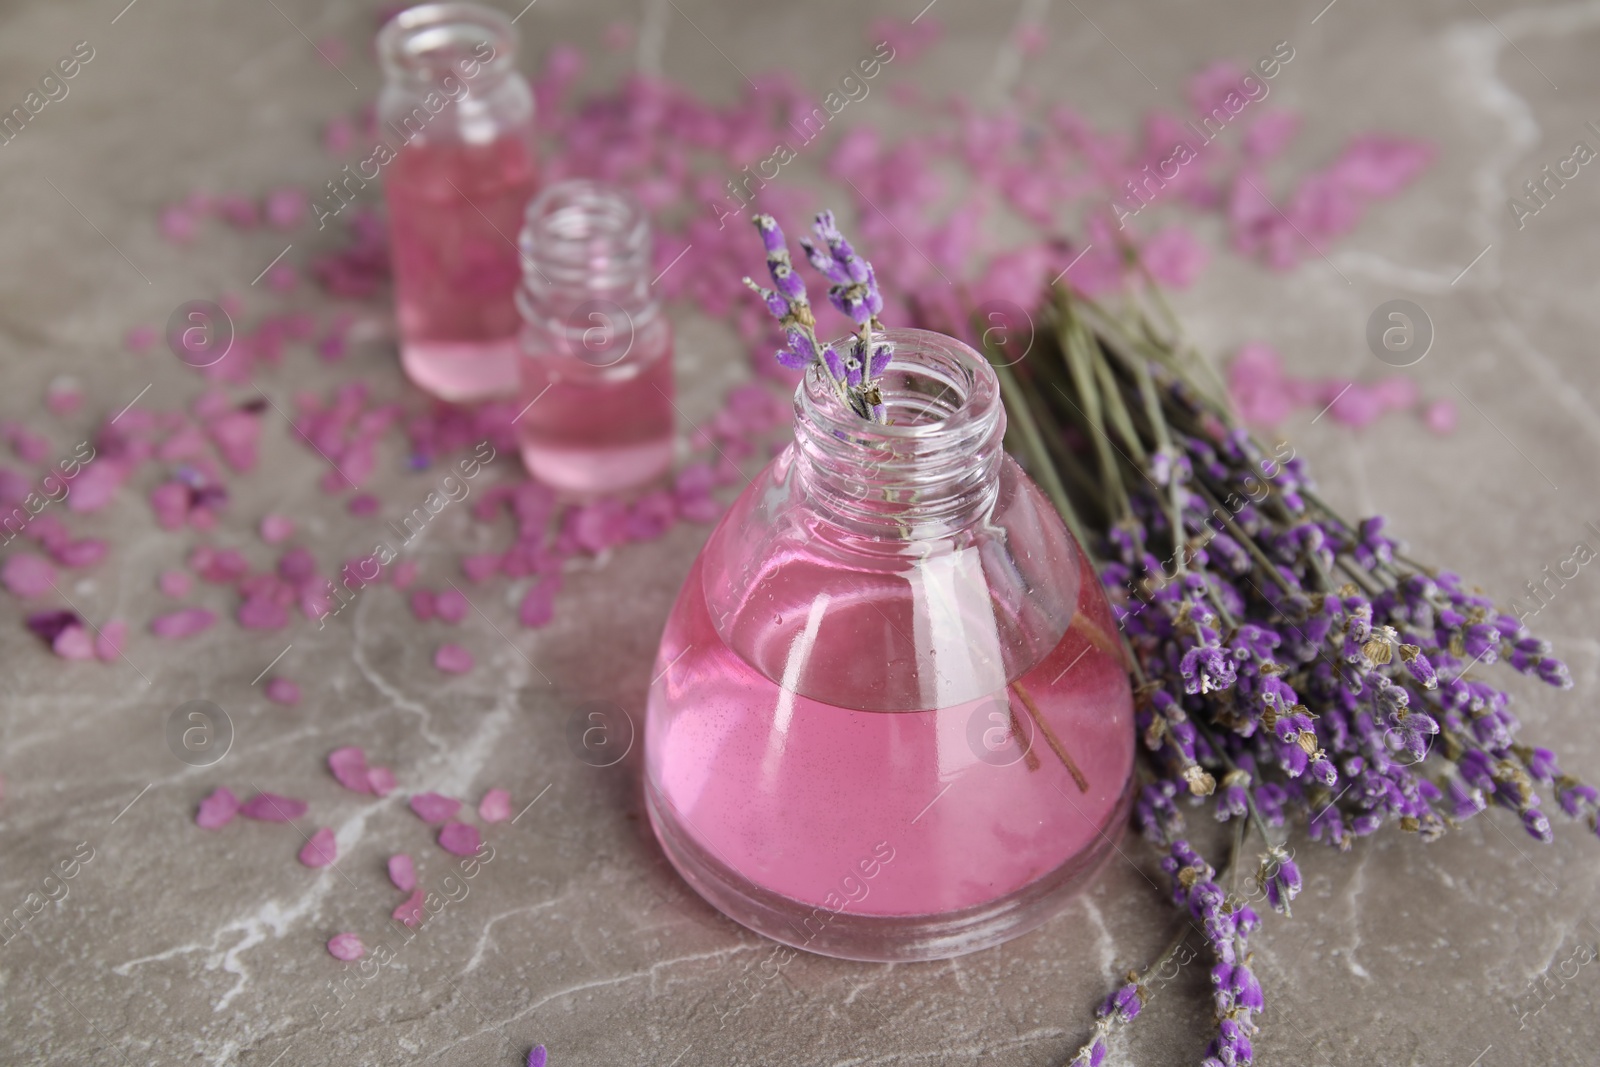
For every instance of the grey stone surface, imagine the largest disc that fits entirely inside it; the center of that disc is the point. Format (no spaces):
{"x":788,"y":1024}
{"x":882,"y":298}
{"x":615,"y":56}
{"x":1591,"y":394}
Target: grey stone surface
{"x":180,"y":946}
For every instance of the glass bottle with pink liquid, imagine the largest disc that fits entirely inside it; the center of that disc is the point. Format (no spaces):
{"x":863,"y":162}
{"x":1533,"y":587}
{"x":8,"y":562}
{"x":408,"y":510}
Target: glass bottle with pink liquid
{"x":891,"y":718}
{"x":596,"y":349}
{"x":456,"y":188}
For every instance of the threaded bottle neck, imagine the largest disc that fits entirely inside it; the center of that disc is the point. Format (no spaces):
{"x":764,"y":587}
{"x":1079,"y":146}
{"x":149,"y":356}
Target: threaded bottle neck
{"x":422,"y":46}
{"x":933,"y":470}
{"x":585,"y":289}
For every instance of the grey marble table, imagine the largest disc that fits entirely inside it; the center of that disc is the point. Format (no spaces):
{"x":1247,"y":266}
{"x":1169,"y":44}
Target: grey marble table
{"x":178,"y":946}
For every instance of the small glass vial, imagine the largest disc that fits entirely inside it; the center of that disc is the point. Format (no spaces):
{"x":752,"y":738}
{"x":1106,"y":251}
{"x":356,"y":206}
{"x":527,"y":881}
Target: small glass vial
{"x":596,"y":349}
{"x":890,"y":717}
{"x":456,"y":189}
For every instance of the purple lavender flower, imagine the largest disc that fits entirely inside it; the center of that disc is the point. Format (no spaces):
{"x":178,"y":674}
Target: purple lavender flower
{"x":854,"y":370}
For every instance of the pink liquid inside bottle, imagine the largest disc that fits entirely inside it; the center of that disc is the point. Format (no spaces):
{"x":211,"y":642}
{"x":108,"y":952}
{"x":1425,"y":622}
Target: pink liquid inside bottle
{"x":596,"y":349}
{"x":891,"y":721}
{"x":456,"y":190}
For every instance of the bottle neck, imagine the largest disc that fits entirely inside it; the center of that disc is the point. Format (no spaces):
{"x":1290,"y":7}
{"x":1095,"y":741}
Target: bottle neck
{"x":933,"y":471}
{"x":465,"y":50}
{"x":586,"y":257}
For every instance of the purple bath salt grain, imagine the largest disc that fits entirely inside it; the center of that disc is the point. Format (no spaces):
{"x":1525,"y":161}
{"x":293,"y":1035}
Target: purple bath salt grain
{"x":84,"y":553}
{"x":27,"y":575}
{"x":432,"y":807}
{"x":74,"y":642}
{"x":349,"y":767}
{"x":321,"y":850}
{"x":48,"y":625}
{"x":261,"y":613}
{"x":183,"y":623}
{"x":402,"y":872}
{"x":537,"y":1057}
{"x":282,"y":691}
{"x":176,"y":584}
{"x":453,"y":659}
{"x":363,"y":504}
{"x":272,"y":807}
{"x":217,"y":810}
{"x":450,"y":605}
{"x":346,"y":947}
{"x":459,"y":839}
{"x":109,"y":641}
{"x":495,"y":806}
{"x":381,"y":781}
{"x":423,"y":604}
{"x":276,"y":529}
{"x":410,"y":910}
{"x":480,"y":567}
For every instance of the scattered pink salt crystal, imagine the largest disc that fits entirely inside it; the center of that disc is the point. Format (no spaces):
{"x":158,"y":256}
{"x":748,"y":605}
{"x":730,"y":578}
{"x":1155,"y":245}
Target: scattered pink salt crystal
{"x":381,"y":781}
{"x":282,"y":691}
{"x":170,"y":502}
{"x":1355,"y":406}
{"x":140,"y":338}
{"x":176,"y":584}
{"x":321,"y":850}
{"x":451,"y":605}
{"x":238,"y":211}
{"x":538,"y":603}
{"x":422,"y":604}
{"x":285,"y":208}
{"x":84,"y":553}
{"x":276,"y":529}
{"x":410,"y":912}
{"x":271,"y":807}
{"x":94,"y":486}
{"x":453,"y":659}
{"x":109,"y":641}
{"x":63,"y":395}
{"x":1174,"y":257}
{"x":337,"y":136}
{"x":1396,"y":393}
{"x":347,"y":947}
{"x":495,"y":806}
{"x":349,"y":767}
{"x":431,"y":807}
{"x":363,"y":504}
{"x":261,"y":613}
{"x":1441,"y":416}
{"x":184,"y":623}
{"x":537,"y":1057}
{"x":217,"y":810}
{"x":74,"y":642}
{"x":405,"y":572}
{"x":282,"y":278}
{"x":402,"y":872}
{"x":27,"y":575}
{"x":177,"y":225}
{"x":459,"y":839}
{"x":480,"y":567}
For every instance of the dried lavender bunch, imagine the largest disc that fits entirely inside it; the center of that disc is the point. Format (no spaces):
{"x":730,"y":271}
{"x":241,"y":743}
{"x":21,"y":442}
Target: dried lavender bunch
{"x":856,"y":370}
{"x":1292,"y":664}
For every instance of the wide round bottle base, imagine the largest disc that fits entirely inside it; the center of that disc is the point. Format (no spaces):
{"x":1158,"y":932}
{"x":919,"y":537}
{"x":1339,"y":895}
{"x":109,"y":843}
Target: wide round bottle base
{"x":878,"y":938}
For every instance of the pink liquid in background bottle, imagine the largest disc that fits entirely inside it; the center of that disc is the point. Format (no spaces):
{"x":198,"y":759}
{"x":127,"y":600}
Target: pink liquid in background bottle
{"x":891,"y":720}
{"x":453,"y":212}
{"x":596,"y":348}
{"x":464,"y":169}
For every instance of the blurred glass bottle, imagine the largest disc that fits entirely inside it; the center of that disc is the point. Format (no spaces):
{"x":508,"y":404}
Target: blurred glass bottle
{"x":596,"y":348}
{"x":456,"y":190}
